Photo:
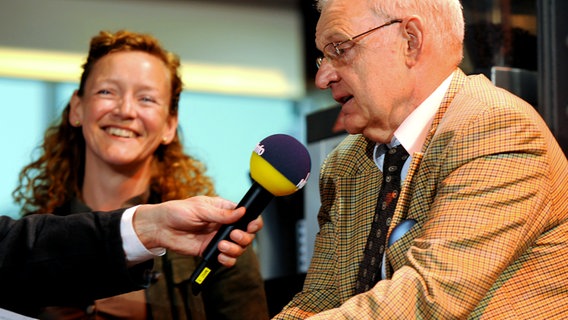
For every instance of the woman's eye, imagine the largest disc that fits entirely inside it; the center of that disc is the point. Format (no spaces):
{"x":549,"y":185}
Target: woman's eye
{"x":148,"y":99}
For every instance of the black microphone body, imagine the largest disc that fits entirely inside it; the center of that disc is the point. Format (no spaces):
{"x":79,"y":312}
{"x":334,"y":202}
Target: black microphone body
{"x":280,"y":165}
{"x":255,"y":201}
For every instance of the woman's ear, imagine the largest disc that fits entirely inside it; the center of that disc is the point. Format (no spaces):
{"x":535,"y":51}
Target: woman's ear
{"x":76,"y":111}
{"x":170,"y":130}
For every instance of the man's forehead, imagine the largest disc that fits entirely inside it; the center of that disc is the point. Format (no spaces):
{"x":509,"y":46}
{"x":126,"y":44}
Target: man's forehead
{"x":339,"y":19}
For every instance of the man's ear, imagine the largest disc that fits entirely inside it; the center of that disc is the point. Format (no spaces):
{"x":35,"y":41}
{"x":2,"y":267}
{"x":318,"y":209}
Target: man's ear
{"x":414,"y":35}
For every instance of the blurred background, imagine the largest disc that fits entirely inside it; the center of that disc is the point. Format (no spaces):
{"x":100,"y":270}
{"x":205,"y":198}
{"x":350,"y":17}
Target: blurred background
{"x":248,"y":69}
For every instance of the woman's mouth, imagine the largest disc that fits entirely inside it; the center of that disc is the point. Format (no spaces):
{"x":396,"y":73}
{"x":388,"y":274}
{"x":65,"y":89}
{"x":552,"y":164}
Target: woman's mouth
{"x":119,"y":132}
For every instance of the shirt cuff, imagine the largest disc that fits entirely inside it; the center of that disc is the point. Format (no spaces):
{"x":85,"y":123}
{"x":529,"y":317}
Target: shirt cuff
{"x":134,"y":250}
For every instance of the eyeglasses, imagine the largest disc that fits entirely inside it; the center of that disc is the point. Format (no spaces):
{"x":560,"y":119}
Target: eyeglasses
{"x":335,"y":50}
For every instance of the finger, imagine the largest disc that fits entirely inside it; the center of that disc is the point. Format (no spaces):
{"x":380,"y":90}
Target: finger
{"x":229,"y":253}
{"x":233,"y":215}
{"x":231,"y":249}
{"x":222,"y":203}
{"x":224,"y":216}
{"x":226,"y":260}
{"x":241,"y":237}
{"x":255,"y":225}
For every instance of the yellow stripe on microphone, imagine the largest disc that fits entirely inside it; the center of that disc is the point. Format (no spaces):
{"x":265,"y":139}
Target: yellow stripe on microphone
{"x":270,"y":178}
{"x":203,"y":275}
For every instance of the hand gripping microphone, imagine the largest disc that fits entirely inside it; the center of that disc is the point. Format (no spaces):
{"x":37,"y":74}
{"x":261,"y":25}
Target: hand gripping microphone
{"x":279,"y":166}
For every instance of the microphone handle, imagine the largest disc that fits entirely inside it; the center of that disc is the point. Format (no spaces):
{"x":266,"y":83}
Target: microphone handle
{"x":255,"y":201}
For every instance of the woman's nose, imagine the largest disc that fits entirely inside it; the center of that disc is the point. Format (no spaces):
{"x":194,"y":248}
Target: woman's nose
{"x":125,"y":107}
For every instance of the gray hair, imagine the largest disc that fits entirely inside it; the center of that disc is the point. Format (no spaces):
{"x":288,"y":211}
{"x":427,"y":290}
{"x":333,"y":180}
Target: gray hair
{"x":443,"y":17}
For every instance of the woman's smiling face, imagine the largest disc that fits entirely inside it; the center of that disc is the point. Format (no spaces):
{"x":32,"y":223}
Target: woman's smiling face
{"x":125,"y":109}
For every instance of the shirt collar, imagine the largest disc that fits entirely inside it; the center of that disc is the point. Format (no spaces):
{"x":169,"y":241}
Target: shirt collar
{"x":414,"y":129}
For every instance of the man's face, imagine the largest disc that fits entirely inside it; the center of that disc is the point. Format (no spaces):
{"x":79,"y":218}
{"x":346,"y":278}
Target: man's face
{"x":369,"y":77}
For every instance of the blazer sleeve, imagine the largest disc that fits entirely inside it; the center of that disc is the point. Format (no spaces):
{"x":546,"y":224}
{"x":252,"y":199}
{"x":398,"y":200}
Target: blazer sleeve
{"x":348,"y":182}
{"x":320,"y":292}
{"x":47,"y":260}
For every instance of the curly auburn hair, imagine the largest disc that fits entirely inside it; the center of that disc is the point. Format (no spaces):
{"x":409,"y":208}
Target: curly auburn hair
{"x":56,"y":176}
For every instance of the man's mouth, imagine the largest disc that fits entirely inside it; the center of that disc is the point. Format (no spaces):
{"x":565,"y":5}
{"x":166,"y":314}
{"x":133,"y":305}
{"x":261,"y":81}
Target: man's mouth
{"x":344,"y":100}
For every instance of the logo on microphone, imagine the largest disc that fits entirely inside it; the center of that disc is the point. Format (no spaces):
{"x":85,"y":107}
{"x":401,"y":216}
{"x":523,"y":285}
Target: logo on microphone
{"x":303,"y":182}
{"x":259,"y":149}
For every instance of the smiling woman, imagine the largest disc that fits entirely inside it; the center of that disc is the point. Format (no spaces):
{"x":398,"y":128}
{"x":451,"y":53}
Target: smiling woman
{"x":117,"y":145}
{"x":124,"y":112}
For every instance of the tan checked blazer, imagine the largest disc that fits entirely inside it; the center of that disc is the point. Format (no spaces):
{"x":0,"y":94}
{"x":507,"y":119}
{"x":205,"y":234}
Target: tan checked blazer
{"x":489,"y":192}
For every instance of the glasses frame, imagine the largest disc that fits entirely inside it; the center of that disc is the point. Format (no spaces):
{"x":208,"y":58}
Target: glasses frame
{"x":333,"y":50}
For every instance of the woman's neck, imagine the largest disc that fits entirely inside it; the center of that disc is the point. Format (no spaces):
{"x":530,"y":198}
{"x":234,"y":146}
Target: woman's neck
{"x":106,"y":188}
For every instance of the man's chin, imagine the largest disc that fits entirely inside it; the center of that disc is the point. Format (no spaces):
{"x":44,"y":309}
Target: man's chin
{"x":353,"y":131}
{"x":352,"y":128}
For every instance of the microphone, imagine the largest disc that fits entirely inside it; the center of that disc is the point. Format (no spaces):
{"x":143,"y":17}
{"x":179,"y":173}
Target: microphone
{"x":279,"y":166}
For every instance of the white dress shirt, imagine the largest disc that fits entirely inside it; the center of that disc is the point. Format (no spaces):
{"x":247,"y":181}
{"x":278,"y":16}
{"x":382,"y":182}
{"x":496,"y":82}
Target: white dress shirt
{"x":135,"y":251}
{"x":413,"y":130}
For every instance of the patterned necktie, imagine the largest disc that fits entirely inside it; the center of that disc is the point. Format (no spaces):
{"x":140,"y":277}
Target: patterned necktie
{"x":369,"y":271}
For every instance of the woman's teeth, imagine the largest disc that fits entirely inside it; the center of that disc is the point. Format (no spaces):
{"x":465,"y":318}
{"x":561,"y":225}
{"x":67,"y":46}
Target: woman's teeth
{"x":120,"y":132}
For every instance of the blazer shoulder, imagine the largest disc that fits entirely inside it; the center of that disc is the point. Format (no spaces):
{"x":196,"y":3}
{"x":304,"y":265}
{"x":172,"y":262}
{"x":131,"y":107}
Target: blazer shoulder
{"x":351,"y":156}
{"x":478,"y":100}
{"x":488,"y":95}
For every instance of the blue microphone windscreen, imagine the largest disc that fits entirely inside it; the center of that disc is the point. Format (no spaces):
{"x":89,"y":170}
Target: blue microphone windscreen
{"x":281,"y":164}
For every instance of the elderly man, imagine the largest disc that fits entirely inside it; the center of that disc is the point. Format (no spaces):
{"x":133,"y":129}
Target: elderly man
{"x":479,"y":227}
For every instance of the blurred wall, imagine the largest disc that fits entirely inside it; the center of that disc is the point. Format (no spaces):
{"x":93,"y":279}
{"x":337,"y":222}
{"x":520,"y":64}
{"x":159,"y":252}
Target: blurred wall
{"x":231,"y":49}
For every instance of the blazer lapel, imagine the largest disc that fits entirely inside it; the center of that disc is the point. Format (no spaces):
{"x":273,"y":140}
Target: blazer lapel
{"x":408,"y":187}
{"x":356,"y":198}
